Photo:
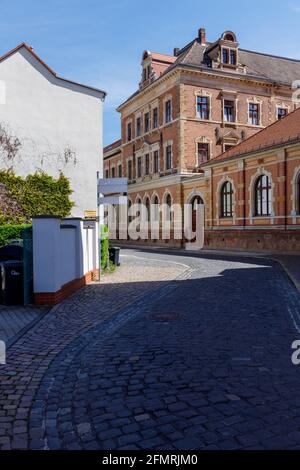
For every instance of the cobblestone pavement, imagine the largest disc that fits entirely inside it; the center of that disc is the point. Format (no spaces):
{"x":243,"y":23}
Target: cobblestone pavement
{"x":171,"y":352}
{"x":15,"y":319}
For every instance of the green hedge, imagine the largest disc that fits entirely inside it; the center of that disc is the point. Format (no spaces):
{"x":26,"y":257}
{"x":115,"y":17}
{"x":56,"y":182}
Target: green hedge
{"x":38,"y":194}
{"x":104,"y":247}
{"x":10,"y":232}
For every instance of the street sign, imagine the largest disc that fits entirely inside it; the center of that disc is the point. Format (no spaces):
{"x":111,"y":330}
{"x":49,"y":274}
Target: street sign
{"x":115,"y":200}
{"x":112,"y":186}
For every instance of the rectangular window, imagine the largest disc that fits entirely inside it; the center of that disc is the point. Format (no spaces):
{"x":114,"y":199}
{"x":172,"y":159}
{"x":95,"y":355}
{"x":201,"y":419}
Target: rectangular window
{"x":147,"y":164}
{"x":155,"y":118}
{"x":203,"y":107}
{"x":281,"y":113}
{"x":147,"y":123}
{"x":233,"y":57}
{"x":138,"y":127}
{"x":113,"y":172}
{"x":120,"y":171}
{"x":168,"y":111}
{"x":229,"y":114}
{"x":106,"y":173}
{"x":203,"y":153}
{"x":139,"y":167}
{"x":129,"y":132}
{"x":130,"y":170}
{"x":254,"y":114}
{"x":168,"y":157}
{"x":225,"y":56}
{"x":156,"y":161}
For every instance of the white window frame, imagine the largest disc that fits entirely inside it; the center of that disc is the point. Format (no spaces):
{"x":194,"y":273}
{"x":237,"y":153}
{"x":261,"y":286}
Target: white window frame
{"x":166,"y":99}
{"x":169,"y":143}
{"x":258,"y":102}
{"x":203,"y":94}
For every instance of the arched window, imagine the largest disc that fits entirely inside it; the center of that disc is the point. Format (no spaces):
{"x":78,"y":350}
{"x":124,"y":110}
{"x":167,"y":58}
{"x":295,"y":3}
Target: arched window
{"x":155,"y":209}
{"x":168,"y":202}
{"x":196,"y":201}
{"x":298,"y":194}
{"x":227,"y":200}
{"x":263,"y":201}
{"x":147,"y":208}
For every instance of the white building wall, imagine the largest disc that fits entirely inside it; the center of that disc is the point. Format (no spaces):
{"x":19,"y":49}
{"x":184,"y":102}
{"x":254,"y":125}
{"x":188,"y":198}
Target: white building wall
{"x":49,"y":115}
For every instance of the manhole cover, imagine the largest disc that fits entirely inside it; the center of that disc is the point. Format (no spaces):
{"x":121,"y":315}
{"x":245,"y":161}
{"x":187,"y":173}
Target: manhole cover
{"x":165,"y":316}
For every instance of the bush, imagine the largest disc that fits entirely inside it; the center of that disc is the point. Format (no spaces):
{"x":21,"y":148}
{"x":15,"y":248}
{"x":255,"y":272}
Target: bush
{"x":104,"y":246}
{"x":10,"y":232}
{"x":38,"y":194}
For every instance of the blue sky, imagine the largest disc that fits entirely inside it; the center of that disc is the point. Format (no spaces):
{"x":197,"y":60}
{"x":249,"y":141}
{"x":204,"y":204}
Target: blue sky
{"x":100,"y":43}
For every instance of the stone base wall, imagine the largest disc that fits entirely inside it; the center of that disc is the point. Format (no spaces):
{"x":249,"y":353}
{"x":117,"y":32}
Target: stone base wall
{"x":254,"y":240}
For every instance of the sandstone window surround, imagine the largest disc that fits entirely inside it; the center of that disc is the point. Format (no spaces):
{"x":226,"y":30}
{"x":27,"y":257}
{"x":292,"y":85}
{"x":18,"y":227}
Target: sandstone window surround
{"x":168,"y":109}
{"x":139,"y":166}
{"x":254,"y":106}
{"x":155,"y":118}
{"x":168,"y":153}
{"x":226,"y":202}
{"x":230,"y":107}
{"x":230,"y":208}
{"x":261,"y":191}
{"x":120,"y":169}
{"x":129,"y":130}
{"x":155,"y":153}
{"x":146,"y":122}
{"x":202,"y":142}
{"x":296,"y":192}
{"x":282,"y":110}
{"x":229,"y":56}
{"x":130,"y":169}
{"x":203,"y":105}
{"x":138,"y":127}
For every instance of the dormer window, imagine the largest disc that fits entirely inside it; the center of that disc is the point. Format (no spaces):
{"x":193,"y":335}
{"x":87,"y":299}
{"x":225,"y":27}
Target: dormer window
{"x":232,"y":57}
{"x":225,"y":56}
{"x":146,"y":73}
{"x":229,"y":56}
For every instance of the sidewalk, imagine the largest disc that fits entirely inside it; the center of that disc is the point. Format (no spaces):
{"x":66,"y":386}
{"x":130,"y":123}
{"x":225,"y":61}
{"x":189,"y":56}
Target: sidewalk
{"x":15,"y":320}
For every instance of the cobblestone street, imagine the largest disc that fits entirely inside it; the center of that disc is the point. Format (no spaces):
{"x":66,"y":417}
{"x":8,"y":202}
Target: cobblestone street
{"x":169,"y":352}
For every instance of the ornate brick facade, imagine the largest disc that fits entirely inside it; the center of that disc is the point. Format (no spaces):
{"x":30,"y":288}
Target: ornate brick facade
{"x":193,"y":106}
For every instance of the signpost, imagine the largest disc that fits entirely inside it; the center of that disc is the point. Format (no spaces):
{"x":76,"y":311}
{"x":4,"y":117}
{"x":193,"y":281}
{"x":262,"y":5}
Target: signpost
{"x":110,"y":191}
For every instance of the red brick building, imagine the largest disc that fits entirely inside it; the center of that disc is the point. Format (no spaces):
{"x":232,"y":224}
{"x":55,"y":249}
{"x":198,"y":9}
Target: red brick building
{"x":190,"y":108}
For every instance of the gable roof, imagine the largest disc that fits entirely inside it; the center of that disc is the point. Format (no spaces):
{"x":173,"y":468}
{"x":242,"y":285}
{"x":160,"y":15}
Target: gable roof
{"x":284,"y":131}
{"x":31,"y":51}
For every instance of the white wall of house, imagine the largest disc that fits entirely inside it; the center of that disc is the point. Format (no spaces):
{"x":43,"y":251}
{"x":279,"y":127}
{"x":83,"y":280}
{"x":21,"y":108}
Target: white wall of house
{"x":63,"y":251}
{"x":50,"y":115}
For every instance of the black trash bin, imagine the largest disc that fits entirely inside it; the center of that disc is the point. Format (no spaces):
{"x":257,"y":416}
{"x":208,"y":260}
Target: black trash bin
{"x":11,"y":253}
{"x":11,"y":283}
{"x":114,"y":255}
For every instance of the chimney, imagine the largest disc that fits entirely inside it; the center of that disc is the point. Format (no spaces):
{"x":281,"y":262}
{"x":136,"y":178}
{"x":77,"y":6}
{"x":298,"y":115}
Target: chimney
{"x":202,"y":36}
{"x":175,"y":51}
